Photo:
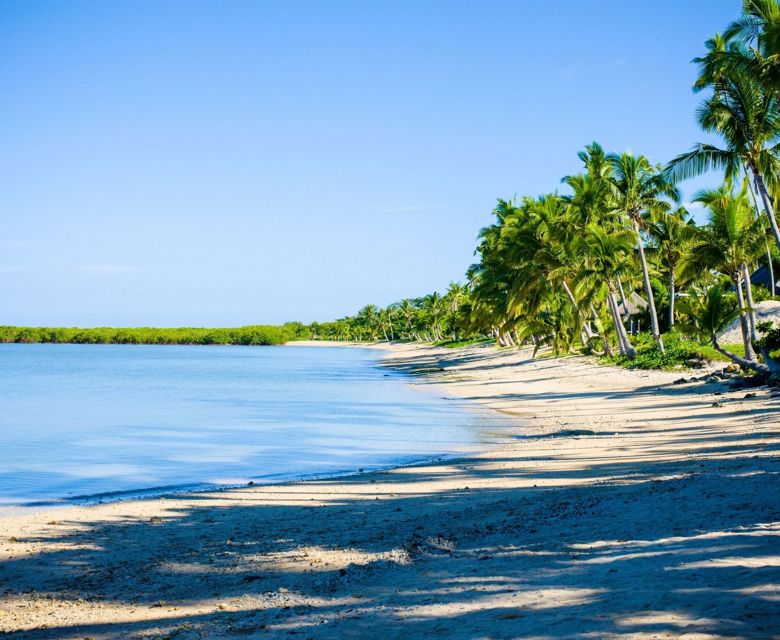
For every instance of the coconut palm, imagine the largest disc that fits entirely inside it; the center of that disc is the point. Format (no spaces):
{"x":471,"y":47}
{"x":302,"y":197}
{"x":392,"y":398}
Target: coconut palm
{"x":748,"y":119}
{"x":727,"y":243}
{"x":671,"y":236}
{"x":753,"y":45}
{"x":607,"y":255}
{"x":711,"y":311}
{"x":642,"y":192}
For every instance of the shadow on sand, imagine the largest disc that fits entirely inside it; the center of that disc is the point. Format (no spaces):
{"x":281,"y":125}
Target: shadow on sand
{"x":631,"y":548}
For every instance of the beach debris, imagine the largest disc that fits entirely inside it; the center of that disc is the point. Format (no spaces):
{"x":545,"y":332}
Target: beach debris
{"x":251,"y":578}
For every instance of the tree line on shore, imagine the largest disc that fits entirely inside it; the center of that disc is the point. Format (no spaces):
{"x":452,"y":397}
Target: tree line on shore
{"x":563,"y":269}
{"x":248,"y":335}
{"x":612,"y":253}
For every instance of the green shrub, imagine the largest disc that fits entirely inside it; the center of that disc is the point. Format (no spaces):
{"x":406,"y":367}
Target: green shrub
{"x":679,"y":350}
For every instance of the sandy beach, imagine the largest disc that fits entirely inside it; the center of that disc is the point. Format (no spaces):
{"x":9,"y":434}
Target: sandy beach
{"x":627,"y":507}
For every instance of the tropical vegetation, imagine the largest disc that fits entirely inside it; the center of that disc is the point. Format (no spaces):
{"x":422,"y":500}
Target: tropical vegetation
{"x":611,"y":262}
{"x":613,"y":259}
{"x":249,"y":335}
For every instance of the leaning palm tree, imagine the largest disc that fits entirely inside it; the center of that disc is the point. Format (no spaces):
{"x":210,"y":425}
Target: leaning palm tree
{"x":606,"y":255}
{"x":711,"y":311}
{"x":641,"y":192}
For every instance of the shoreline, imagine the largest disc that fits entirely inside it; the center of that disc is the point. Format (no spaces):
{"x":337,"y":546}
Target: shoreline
{"x":43,"y":505}
{"x":635,"y":508}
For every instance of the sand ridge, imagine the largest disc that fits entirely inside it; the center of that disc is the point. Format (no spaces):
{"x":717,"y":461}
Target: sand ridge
{"x":630,"y":507}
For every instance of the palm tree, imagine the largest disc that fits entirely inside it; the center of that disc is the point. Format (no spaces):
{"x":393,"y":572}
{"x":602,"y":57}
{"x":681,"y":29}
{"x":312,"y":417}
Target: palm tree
{"x":754,"y":40}
{"x":726,"y":244}
{"x":454,"y":300}
{"x":434,"y":308}
{"x":539,"y":244}
{"x":408,"y":312}
{"x":607,"y":256}
{"x":748,"y":119}
{"x":367,"y":319}
{"x":640,"y":189}
{"x":671,"y":236}
{"x":711,"y":312}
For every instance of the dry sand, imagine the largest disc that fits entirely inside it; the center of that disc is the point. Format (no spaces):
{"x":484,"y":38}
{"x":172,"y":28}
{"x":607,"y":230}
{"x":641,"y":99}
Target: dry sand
{"x":634,"y":508}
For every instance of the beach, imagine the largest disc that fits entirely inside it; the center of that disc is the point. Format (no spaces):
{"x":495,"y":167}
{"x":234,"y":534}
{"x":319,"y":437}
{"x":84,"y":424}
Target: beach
{"x":628,"y":506}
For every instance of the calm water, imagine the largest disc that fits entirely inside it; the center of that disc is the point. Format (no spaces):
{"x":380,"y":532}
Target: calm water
{"x":84,"y":420}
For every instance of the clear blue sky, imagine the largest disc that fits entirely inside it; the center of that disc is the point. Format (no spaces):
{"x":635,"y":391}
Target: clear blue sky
{"x":226,"y":163}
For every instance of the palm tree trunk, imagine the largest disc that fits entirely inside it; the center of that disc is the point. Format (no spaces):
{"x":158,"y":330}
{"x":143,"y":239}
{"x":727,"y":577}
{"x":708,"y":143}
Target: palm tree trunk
{"x":672,"y":292}
{"x":570,"y":295}
{"x":772,"y":364}
{"x":767,"y":200}
{"x":766,"y":244}
{"x":615,"y":321}
{"x":743,"y":321}
{"x":751,"y":307}
{"x":626,"y":348}
{"x":597,"y":323}
{"x":742,"y":362}
{"x":648,"y":289}
{"x":575,"y":306}
{"x":622,"y":297}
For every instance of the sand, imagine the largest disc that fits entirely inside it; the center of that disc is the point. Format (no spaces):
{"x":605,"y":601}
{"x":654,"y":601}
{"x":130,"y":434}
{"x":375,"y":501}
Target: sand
{"x":766,"y":311}
{"x":631,"y":508}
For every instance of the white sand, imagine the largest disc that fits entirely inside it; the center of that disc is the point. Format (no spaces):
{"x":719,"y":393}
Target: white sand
{"x":635,"y":509}
{"x":766,"y":311}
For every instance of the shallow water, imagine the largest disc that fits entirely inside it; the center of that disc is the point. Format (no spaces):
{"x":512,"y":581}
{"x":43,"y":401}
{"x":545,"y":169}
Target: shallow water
{"x":78,"y":421}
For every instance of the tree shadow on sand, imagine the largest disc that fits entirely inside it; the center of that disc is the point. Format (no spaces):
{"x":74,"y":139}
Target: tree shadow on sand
{"x":552,"y":562}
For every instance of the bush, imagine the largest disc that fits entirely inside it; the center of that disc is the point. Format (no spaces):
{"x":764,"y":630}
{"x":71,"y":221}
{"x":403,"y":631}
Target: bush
{"x":679,"y":350}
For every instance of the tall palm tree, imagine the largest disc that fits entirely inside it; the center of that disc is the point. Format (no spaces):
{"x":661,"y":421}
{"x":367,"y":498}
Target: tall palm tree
{"x":671,"y":236}
{"x":641,"y":192}
{"x":727,"y":243}
{"x":747,"y":118}
{"x":607,"y":256}
{"x":407,"y":312}
{"x":755,"y":45}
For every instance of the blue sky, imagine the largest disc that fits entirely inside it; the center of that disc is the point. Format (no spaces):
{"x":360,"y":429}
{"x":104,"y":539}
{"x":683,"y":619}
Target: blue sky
{"x":214,"y":164}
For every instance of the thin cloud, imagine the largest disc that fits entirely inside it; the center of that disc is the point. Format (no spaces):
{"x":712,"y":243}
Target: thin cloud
{"x":106,"y":269}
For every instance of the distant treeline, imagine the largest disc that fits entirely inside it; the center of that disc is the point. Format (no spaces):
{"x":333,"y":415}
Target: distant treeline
{"x":249,"y":335}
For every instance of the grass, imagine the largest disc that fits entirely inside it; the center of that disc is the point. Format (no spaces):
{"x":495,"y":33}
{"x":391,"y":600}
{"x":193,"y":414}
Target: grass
{"x":679,"y":350}
{"x":454,"y":344}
